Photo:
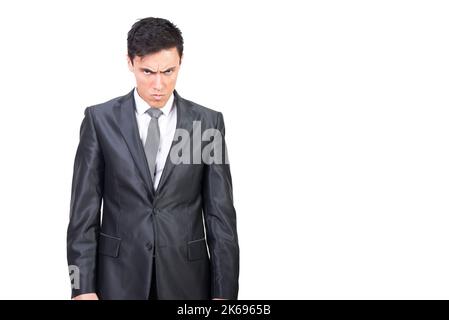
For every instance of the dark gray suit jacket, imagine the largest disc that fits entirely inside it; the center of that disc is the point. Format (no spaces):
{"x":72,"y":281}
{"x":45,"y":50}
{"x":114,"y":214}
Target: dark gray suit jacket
{"x":118,"y":220}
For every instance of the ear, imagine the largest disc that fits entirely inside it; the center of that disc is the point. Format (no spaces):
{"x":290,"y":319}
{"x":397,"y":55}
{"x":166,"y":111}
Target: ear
{"x":130,"y":64}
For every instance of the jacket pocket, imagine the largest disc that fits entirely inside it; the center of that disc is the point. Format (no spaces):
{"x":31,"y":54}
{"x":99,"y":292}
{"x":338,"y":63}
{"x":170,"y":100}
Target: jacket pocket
{"x":196,"y":249}
{"x":109,"y":245}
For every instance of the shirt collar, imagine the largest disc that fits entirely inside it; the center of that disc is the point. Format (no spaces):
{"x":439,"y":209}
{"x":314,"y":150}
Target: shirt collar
{"x":142,"y":106}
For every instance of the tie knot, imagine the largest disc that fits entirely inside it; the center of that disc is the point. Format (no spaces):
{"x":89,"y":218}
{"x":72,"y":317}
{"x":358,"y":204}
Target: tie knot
{"x":154,"y":112}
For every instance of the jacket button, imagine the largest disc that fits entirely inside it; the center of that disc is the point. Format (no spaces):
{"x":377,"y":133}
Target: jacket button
{"x":149,"y":246}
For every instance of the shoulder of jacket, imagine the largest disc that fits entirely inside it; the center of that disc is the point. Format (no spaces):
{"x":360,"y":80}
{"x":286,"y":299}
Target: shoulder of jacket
{"x":202,"y":110}
{"x":106,"y":106}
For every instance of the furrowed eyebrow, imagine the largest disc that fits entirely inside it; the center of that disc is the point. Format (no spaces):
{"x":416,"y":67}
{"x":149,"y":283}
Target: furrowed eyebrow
{"x":148,"y":69}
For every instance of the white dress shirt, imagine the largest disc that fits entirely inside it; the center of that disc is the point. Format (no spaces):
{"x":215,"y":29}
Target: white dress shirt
{"x":167,"y":128}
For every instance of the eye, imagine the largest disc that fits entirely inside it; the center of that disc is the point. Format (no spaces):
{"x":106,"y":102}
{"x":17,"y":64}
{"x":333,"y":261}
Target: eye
{"x":146,"y":71}
{"x":168,"y":72}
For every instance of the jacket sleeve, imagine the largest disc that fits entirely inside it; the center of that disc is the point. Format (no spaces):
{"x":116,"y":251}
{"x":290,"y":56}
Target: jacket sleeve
{"x":85,"y":206}
{"x":220,"y":218}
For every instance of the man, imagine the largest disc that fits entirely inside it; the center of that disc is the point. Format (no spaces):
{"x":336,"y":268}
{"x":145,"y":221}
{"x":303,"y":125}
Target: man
{"x":167,"y":229}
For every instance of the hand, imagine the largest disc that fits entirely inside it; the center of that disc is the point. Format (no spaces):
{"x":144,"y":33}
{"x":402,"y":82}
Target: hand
{"x":86,"y":296}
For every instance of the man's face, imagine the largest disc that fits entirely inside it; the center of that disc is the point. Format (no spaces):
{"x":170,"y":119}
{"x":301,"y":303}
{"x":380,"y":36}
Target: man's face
{"x":156,"y":75}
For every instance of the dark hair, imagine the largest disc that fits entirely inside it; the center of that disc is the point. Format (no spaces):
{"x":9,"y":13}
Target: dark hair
{"x":151,"y":35}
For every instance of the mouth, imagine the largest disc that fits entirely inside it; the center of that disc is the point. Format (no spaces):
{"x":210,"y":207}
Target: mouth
{"x":157,"y":96}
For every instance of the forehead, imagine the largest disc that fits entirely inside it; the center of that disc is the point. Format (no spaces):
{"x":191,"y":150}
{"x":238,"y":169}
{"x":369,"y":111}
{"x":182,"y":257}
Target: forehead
{"x":162,"y":59}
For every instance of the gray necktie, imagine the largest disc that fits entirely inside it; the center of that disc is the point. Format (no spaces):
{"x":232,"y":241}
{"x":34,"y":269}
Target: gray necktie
{"x":152,"y":142}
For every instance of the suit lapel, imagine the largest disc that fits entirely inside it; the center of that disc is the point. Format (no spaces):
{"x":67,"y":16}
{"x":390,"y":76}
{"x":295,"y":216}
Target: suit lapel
{"x":184,"y":121}
{"x":126,"y":117}
{"x":125,"y":113}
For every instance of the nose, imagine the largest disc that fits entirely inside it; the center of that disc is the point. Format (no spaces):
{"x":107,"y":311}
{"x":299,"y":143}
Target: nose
{"x":157,"y":82}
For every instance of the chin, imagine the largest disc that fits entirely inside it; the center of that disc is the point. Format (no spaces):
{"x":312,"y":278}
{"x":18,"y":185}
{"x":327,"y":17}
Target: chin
{"x":159,"y":103}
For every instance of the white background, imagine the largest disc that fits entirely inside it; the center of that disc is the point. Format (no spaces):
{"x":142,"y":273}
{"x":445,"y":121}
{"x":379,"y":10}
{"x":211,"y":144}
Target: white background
{"x":336,"y":118}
